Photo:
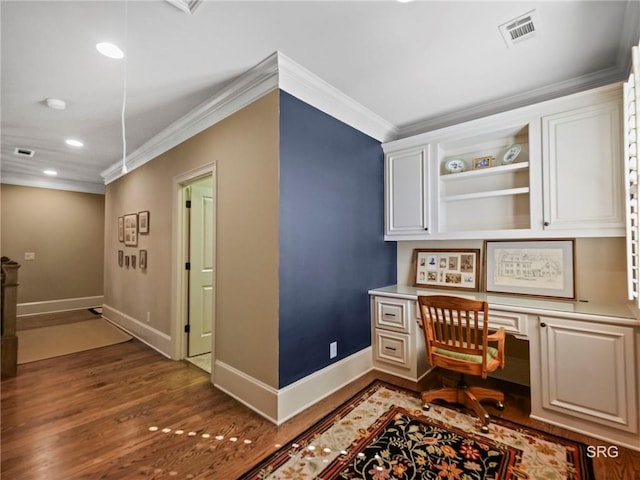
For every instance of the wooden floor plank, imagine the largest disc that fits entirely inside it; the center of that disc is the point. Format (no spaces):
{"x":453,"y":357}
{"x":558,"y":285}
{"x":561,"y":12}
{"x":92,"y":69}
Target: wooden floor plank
{"x":87,"y":416}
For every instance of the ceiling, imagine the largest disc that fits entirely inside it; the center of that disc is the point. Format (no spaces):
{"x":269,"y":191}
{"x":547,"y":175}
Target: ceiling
{"x":418,"y":65}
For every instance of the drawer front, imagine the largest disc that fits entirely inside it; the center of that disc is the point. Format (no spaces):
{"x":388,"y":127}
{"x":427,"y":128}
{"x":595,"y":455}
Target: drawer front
{"x":514,"y":323}
{"x":392,"y":348}
{"x":392,"y":314}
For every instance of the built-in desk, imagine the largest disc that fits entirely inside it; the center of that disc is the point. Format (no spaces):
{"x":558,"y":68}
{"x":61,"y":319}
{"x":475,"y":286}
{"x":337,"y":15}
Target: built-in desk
{"x":583,"y":358}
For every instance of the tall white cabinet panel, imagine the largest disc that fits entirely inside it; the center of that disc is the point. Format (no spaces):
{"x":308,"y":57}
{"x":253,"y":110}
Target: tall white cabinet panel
{"x":587,"y":371}
{"x":583,"y":171}
{"x":406,"y":193}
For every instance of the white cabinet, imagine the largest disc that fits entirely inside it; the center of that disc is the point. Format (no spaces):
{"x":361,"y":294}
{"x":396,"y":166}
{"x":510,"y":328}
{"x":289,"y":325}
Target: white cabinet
{"x":567,"y":181}
{"x":583,"y":171}
{"x":587,"y":372}
{"x":406,"y":193}
{"x":398,"y":343}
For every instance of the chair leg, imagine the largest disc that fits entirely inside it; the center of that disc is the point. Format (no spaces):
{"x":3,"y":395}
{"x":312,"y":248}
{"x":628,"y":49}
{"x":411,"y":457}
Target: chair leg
{"x":470,"y":401}
{"x":494,"y":396}
{"x":448,"y":394}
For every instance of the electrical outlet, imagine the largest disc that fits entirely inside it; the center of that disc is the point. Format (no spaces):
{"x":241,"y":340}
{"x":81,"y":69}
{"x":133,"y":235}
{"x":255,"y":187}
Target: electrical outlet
{"x":148,"y":317}
{"x":29,"y":255}
{"x":333,"y":349}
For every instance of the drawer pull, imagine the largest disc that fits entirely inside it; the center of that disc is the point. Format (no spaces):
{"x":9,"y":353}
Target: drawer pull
{"x":393,"y":349}
{"x":390,"y":315}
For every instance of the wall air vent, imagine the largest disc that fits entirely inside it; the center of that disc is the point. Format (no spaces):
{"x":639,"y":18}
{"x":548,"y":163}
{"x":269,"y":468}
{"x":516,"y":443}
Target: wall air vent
{"x":24,"y":152}
{"x":520,"y":29}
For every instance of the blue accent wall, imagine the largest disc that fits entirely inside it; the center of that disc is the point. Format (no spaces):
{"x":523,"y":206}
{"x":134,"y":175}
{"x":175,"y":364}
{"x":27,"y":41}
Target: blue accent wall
{"x":331,"y":238}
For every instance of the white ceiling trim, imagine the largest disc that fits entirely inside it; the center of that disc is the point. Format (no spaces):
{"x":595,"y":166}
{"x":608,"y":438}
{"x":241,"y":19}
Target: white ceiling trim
{"x":308,"y":87}
{"x":276,"y":71}
{"x":71,"y":185}
{"x":560,"y":89}
{"x":257,"y":82}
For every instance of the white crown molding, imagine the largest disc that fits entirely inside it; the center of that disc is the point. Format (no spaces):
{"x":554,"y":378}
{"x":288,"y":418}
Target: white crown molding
{"x":255,"y":83}
{"x":308,"y":87}
{"x":276,"y":71}
{"x":560,"y":89}
{"x":630,"y":36}
{"x":24,"y":180}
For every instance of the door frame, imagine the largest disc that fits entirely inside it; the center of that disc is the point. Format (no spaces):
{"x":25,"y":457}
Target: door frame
{"x":179,"y":275}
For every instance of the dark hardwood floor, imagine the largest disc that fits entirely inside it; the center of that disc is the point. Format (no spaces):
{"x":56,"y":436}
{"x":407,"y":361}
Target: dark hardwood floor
{"x":87,"y":416}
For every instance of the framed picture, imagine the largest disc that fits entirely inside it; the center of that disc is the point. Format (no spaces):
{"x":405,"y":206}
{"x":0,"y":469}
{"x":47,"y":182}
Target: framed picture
{"x":143,"y":259}
{"x":131,"y":229}
{"x":120,"y":258}
{"x":453,"y":268}
{"x":482,"y":162}
{"x":143,"y":222}
{"x":543,"y":268}
{"x":126,"y":261}
{"x":121,"y":229}
{"x":133,"y":261}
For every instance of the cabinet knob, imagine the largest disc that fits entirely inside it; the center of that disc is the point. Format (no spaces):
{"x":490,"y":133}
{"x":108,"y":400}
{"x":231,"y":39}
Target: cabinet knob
{"x":543,"y":324}
{"x":426,"y":228}
{"x":546,"y":224}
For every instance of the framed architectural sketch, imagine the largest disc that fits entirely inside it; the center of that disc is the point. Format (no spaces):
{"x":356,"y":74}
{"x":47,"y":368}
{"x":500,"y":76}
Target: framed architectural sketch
{"x":543,"y":268}
{"x":131,"y":229}
{"x":143,"y":222}
{"x":120,"y":258}
{"x":456,"y":269}
{"x":121,"y":229}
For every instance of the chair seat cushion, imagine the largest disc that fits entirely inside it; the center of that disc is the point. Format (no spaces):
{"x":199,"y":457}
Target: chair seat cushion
{"x":492,"y":353}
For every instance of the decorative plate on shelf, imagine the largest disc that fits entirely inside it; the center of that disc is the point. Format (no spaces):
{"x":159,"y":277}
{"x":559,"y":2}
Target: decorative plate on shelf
{"x":455,"y":165}
{"x":512,"y":153}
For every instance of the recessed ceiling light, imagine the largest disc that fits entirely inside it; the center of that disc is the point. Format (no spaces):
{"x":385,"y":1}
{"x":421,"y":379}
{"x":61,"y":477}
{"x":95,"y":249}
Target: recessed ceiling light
{"x":109,"y":50}
{"x":72,"y":142}
{"x":56,"y":103}
{"x":51,"y":173}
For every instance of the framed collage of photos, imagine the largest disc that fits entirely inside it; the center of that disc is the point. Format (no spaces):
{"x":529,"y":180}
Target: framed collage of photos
{"x":131,"y":230}
{"x":456,"y":269}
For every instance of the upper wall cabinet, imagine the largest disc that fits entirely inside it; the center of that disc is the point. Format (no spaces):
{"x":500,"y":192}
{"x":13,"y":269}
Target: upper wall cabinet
{"x":554,"y":169}
{"x":583,"y":178}
{"x":406,"y":193}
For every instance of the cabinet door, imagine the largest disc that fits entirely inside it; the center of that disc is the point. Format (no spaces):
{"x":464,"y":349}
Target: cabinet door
{"x":406,"y":208}
{"x":583,"y":178}
{"x":588,"y":371}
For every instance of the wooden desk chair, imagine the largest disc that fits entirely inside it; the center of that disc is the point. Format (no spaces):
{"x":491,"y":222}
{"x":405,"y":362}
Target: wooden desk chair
{"x":456,"y":341}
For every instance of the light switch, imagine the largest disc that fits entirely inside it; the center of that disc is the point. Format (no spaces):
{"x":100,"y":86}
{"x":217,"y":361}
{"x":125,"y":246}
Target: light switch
{"x":29,"y":255}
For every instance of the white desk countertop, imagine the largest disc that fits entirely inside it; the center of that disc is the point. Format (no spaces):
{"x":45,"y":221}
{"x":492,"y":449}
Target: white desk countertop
{"x":613,"y":313}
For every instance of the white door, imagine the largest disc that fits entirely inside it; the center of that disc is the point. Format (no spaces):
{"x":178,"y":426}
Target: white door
{"x":201,"y":266}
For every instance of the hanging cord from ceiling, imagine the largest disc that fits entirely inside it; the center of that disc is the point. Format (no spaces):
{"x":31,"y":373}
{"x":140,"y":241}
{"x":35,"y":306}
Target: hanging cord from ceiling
{"x":124,"y":90}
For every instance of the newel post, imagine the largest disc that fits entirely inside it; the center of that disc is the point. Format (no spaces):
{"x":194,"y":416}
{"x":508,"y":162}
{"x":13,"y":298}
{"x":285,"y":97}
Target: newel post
{"x":9,"y":310}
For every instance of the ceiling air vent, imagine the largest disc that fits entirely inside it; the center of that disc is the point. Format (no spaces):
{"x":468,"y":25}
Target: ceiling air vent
{"x":520,"y":29}
{"x":24,"y":152}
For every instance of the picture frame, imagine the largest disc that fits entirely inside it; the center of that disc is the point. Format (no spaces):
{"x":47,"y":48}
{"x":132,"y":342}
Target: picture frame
{"x":453,"y":268}
{"x":133,"y":261}
{"x":126,"y":261}
{"x":143,"y":259}
{"x":541,"y":268}
{"x":121,"y":229}
{"x":482,"y":162}
{"x":143,"y":222}
{"x":131,"y":229}
{"x":120,"y":257}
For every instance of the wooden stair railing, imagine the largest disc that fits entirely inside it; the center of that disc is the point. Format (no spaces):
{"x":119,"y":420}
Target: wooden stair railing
{"x":9,"y":346}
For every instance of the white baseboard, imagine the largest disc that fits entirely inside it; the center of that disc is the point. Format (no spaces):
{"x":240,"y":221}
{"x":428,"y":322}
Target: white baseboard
{"x":157,"y":340}
{"x":300,"y":395}
{"x":63,"y":305}
{"x":279,"y":405}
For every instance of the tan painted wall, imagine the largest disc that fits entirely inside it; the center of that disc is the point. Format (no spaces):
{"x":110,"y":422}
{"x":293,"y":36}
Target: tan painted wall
{"x":66,"y":232}
{"x":600,"y":265}
{"x":244,"y":148}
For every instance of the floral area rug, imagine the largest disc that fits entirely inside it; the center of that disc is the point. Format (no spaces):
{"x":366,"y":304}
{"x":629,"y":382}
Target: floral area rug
{"x":382,"y":433}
